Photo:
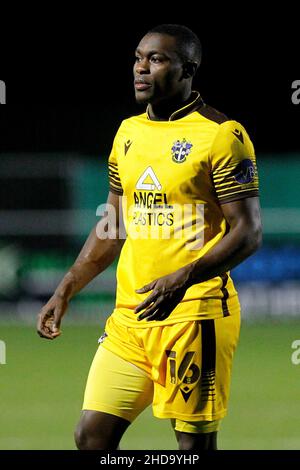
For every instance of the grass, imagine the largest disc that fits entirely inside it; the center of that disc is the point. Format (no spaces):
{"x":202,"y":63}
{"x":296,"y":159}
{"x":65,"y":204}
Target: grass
{"x":42,"y":384}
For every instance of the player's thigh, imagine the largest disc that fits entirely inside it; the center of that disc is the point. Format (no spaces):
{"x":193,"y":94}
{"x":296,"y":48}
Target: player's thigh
{"x":117,"y":387}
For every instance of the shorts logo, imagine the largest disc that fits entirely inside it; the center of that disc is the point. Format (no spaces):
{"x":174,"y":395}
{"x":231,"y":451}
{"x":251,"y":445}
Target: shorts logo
{"x":245,"y":172}
{"x":102,"y":338}
{"x":180,"y":150}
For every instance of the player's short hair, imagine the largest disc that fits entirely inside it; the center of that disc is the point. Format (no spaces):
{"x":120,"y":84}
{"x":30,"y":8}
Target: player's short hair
{"x":189,"y":45}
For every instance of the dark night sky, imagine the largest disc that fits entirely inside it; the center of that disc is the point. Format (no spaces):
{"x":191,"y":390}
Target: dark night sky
{"x":73,"y":95}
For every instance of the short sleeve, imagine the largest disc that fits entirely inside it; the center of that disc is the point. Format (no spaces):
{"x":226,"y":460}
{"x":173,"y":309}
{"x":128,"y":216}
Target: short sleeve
{"x":115,"y":185}
{"x":233,"y":164}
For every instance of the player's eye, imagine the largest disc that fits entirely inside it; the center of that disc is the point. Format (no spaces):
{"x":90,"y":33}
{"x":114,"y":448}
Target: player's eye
{"x":137,"y":58}
{"x":156,"y":59}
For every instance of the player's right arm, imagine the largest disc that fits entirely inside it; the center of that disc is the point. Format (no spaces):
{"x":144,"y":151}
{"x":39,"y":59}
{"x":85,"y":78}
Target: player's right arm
{"x":96,"y":255}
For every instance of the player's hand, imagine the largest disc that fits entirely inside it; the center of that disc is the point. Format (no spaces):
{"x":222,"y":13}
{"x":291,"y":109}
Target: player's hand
{"x":166,"y":293}
{"x":49,"y":318}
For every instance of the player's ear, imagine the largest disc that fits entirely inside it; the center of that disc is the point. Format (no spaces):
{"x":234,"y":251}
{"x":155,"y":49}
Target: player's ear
{"x":189,"y":69}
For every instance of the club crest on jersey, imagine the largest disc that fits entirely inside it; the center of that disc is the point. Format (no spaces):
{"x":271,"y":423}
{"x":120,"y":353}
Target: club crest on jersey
{"x":180,"y":150}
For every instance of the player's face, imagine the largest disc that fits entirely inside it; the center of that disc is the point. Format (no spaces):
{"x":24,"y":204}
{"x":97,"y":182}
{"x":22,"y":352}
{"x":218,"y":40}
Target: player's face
{"x":157,"y":70}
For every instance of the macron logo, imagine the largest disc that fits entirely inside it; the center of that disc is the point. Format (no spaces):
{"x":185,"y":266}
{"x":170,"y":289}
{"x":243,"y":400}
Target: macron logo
{"x":148,"y":181}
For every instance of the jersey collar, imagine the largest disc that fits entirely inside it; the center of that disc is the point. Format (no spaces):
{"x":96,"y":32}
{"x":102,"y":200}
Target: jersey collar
{"x":196,"y":103}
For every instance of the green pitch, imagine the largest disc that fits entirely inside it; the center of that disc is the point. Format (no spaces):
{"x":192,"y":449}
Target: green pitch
{"x":42,"y":384}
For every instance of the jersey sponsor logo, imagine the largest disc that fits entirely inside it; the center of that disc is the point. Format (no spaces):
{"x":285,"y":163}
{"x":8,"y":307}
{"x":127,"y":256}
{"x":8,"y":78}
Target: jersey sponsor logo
{"x":127,"y":146}
{"x":151,"y":208}
{"x":180,"y":150}
{"x":148,"y":181}
{"x":239,"y":135}
{"x":245,"y":172}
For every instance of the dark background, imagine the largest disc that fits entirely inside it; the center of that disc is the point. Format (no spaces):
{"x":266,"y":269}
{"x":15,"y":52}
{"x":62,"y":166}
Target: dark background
{"x":73,"y":91}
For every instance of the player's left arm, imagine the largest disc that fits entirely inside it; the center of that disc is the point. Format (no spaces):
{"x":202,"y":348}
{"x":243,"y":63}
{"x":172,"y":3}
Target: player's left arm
{"x":242,"y":240}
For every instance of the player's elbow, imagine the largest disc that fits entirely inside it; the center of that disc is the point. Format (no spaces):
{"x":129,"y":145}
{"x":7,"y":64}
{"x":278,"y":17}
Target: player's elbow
{"x":253,"y":238}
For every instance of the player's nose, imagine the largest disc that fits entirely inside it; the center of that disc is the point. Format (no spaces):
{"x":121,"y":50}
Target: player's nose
{"x":142,"y":67}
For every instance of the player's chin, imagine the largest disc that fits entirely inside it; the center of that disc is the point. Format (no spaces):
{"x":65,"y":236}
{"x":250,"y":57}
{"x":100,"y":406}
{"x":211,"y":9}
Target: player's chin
{"x":142,"y":97}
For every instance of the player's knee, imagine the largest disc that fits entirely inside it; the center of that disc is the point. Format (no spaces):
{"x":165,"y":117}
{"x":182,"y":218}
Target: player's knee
{"x":203,"y":441}
{"x":85,"y":439}
{"x":81,"y":437}
{"x":99,"y":431}
{"x":186,"y":441}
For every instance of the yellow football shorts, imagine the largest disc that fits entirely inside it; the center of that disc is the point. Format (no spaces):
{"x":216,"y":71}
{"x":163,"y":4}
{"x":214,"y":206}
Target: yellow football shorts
{"x":184,"y":370}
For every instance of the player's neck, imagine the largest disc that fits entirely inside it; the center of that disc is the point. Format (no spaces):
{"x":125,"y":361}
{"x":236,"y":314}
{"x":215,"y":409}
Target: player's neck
{"x":163,"y":110}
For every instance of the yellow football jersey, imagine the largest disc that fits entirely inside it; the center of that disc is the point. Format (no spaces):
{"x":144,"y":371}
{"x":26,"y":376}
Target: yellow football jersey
{"x":174,"y":176}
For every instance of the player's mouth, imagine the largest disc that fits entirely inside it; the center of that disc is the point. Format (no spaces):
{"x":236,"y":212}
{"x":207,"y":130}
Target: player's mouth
{"x":141,"y":85}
